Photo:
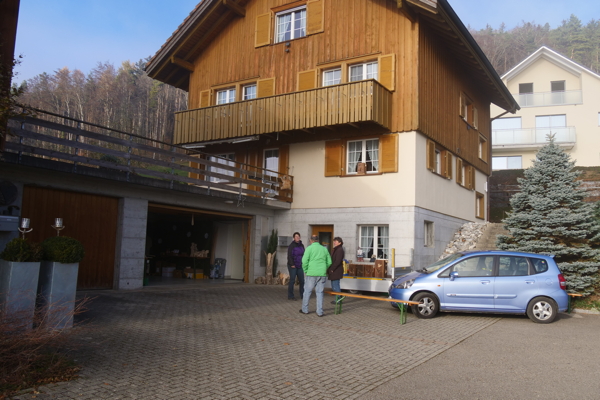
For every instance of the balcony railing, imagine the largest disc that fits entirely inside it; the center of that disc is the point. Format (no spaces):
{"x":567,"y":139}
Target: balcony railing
{"x":533,"y":137}
{"x":88,"y":149}
{"x":332,"y":105}
{"x":549,"y":98}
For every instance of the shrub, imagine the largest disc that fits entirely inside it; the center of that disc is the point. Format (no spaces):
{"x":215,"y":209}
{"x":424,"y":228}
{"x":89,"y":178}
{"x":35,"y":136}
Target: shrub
{"x":20,"y":250}
{"x":63,"y":249}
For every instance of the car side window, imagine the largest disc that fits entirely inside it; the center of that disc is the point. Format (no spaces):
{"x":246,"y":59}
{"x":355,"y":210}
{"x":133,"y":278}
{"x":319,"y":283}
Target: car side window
{"x":513,"y":266}
{"x":475,"y":266}
{"x":539,"y":265}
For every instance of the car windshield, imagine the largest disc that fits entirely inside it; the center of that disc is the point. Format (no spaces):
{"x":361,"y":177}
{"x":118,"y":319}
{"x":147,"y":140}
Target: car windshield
{"x":441,"y":263}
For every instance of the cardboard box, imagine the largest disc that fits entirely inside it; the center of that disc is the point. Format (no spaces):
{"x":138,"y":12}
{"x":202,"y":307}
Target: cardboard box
{"x":199,"y":275}
{"x":178,"y":274}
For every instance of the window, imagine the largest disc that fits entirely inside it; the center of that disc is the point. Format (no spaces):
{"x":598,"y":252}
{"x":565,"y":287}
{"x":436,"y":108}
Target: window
{"x":375,"y":241}
{"x":468,"y":112}
{"x":226,"y":96}
{"x":465,"y":174}
{"x":290,"y":24}
{"x":557,"y":86}
{"x":479,"y":205}
{"x":551,"y":125}
{"x":506,"y":123}
{"x":508,"y":162}
{"x":226,"y":159}
{"x":513,"y":266}
{"x":271,"y":163}
{"x":525,"y":88}
{"x":360,"y":72}
{"x":539,"y":265}
{"x":475,"y":266}
{"x":363,"y":156}
{"x":429,"y":234}
{"x":439,"y":160}
{"x":483,"y":148}
{"x":249,"y":92}
{"x":332,"y":77}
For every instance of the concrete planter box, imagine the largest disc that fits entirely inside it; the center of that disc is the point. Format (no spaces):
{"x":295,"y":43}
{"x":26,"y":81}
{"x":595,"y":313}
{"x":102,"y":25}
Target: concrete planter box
{"x":18,"y":284}
{"x":56,"y":289}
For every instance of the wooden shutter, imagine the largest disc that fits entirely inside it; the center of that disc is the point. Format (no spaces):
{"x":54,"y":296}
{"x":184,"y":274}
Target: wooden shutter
{"x":388,"y":145}
{"x":254,"y":162}
{"x":430,"y":155}
{"x":459,"y":171}
{"x":262,"y":33}
{"x":307,"y":79}
{"x":204,"y":98}
{"x":200,"y":167}
{"x":387,"y":71}
{"x":284,"y":159}
{"x":334,"y":158}
{"x":470,"y":170}
{"x":314,"y":16}
{"x":239,"y":159}
{"x":265,"y":87}
{"x":447,"y":164}
{"x":475,"y":118}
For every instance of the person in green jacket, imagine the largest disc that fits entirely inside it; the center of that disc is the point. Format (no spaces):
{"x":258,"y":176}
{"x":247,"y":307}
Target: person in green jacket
{"x":315,"y":261}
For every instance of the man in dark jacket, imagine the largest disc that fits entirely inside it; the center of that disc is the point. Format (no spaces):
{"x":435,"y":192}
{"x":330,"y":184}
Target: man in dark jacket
{"x":294,"y":263}
{"x":336,"y":271}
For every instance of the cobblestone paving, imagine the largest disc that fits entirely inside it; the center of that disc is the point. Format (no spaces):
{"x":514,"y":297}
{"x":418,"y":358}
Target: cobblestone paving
{"x":240,"y":341}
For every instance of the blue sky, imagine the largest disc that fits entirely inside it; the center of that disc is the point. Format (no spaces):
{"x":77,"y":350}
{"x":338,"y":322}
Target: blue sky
{"x":80,"y":33}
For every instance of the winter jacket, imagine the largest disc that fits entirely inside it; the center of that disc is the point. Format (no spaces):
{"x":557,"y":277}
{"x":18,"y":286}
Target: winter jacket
{"x":316,"y":260}
{"x":336,"y":270}
{"x":295,"y":253}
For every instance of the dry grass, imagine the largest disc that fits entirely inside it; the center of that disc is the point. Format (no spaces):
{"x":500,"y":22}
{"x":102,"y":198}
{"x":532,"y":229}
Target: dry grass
{"x":34,"y":356}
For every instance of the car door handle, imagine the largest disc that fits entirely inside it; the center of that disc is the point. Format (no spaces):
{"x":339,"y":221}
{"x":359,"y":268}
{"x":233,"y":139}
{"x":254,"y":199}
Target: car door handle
{"x":485,"y":282}
{"x":530,"y":282}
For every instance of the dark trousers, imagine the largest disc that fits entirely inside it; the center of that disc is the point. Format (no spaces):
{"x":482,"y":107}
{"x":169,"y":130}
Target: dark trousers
{"x":293,"y":273}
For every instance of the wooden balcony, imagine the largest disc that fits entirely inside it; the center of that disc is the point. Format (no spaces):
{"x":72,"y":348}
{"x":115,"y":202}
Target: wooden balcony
{"x":348,"y":103}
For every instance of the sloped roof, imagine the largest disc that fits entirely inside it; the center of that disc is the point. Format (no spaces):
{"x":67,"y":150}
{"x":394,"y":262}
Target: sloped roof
{"x":552,"y":56}
{"x":210,"y":16}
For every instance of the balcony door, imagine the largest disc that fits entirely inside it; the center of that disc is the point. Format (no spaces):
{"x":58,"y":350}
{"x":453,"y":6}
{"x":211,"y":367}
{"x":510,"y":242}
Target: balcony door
{"x":271,"y":164}
{"x":551,"y":124}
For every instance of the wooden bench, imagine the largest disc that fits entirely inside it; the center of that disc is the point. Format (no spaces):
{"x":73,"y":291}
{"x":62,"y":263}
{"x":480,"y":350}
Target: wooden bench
{"x":569,"y":303}
{"x":402,"y":303}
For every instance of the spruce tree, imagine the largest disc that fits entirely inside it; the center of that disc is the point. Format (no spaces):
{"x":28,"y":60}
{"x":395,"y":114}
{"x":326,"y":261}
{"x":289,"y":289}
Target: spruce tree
{"x":549,"y":216}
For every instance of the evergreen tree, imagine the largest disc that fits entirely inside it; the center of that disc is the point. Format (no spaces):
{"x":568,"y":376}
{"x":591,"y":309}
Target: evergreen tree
{"x":549,"y":216}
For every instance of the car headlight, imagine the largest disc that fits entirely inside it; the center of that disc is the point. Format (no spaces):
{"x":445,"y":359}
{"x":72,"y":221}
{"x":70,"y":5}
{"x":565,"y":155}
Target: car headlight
{"x":403,"y":284}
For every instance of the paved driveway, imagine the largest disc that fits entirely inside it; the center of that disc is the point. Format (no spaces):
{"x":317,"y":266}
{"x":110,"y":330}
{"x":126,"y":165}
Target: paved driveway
{"x":241,"y":341}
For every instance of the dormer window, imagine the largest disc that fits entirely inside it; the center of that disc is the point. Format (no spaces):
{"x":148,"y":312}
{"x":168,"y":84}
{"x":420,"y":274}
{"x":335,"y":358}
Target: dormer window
{"x":290,"y":24}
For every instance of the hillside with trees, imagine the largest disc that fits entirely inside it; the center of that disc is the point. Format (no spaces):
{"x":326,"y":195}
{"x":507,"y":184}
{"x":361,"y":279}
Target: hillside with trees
{"x":123,"y":98}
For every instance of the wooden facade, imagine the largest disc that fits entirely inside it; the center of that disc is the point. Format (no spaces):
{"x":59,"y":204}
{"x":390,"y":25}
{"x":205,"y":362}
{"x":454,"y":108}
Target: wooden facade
{"x":438,"y":81}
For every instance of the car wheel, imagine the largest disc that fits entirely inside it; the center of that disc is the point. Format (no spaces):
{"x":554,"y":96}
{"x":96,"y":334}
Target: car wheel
{"x":542,"y":310}
{"x":428,"y":305}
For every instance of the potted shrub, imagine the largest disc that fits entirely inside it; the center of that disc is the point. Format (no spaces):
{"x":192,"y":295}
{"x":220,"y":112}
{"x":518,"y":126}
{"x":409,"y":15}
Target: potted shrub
{"x":19,"y":272}
{"x":58,"y":279}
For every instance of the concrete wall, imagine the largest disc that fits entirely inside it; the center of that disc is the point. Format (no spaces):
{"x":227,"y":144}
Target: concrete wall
{"x":131,"y":244}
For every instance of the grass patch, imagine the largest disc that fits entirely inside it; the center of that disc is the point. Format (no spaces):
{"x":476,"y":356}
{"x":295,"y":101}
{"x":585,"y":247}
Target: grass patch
{"x":591,"y":302}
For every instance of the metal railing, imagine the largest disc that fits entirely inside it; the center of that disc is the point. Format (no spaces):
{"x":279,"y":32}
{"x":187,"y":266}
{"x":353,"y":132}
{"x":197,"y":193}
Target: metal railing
{"x":549,"y":98}
{"x":91,"y":149}
{"x":533,"y":136}
{"x":332,"y":105}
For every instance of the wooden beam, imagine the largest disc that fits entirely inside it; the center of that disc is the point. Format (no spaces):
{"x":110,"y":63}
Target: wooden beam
{"x":354,"y":125}
{"x":182,"y":63}
{"x":236,"y":8}
{"x":410,"y":14}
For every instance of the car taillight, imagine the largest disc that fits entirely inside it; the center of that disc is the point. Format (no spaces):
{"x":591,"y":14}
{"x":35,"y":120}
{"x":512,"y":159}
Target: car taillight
{"x":562,"y":282}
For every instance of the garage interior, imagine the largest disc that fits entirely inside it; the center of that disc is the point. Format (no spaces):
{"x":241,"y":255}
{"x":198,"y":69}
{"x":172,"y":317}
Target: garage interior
{"x":186,"y":243}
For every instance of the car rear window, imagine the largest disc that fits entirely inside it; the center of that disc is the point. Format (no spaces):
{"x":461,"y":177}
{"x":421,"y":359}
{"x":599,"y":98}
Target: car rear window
{"x":539,"y":265}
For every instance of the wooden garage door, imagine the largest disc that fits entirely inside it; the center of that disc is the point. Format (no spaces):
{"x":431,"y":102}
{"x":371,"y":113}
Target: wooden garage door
{"x":91,"y":219}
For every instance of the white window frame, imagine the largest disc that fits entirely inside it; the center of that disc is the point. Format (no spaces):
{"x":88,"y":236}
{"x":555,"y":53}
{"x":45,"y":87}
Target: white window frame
{"x":329,"y":77}
{"x":365,"y":75}
{"x":249,"y":95}
{"x":273,"y":170}
{"x":295,"y":14}
{"x":226,"y":159}
{"x":369,"y":235}
{"x":372,"y":166}
{"x":502,"y":162}
{"x":438,"y":161}
{"x":225,"y":96}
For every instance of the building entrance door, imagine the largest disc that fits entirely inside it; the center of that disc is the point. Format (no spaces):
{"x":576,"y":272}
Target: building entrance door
{"x":325,"y":234}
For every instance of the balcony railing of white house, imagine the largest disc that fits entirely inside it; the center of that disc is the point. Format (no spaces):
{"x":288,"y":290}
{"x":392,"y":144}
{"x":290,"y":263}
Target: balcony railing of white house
{"x":549,"y":98}
{"x":533,"y":136}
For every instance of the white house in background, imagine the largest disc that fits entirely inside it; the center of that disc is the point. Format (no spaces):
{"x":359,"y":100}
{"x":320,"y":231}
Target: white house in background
{"x":556,"y":96}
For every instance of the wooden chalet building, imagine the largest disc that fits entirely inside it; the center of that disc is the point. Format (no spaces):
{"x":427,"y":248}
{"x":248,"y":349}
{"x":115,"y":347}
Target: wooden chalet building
{"x":376,"y":113}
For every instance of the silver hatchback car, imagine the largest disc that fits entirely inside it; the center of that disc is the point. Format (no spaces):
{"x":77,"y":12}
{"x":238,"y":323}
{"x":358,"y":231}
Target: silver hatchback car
{"x":487,"y":281}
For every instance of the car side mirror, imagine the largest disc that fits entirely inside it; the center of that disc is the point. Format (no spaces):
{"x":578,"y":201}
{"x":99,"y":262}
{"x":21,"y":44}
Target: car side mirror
{"x":453,"y":275}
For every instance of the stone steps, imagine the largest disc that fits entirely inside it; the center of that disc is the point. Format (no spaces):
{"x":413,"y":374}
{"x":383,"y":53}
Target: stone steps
{"x":487,"y":241}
